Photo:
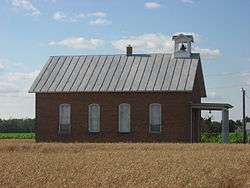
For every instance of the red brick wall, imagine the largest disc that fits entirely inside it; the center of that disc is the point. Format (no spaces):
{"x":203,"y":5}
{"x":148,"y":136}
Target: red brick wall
{"x":175,"y":116}
{"x":196,"y":116}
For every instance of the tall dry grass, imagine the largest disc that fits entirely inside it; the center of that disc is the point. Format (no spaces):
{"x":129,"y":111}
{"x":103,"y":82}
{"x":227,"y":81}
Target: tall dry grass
{"x":28,"y":164}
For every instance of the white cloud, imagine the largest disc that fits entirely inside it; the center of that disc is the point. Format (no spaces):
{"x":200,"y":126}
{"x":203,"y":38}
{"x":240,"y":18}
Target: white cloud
{"x":25,"y":5}
{"x":80,"y":16}
{"x":2,"y":67}
{"x":208,"y":53}
{"x":152,"y":42}
{"x":152,"y":5}
{"x":187,"y":1}
{"x":157,"y":42}
{"x":14,"y":97}
{"x":14,"y":82}
{"x":245,"y":78}
{"x":214,"y":95}
{"x":16,"y":76}
{"x":8,"y":88}
{"x":100,"y":22}
{"x":49,"y":1}
{"x":59,"y":16}
{"x":78,"y":43}
{"x":97,"y":14}
{"x":17,"y":105}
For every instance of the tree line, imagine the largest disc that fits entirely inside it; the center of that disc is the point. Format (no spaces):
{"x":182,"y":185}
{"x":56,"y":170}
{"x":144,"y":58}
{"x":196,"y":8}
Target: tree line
{"x":209,"y":126}
{"x":17,"y":125}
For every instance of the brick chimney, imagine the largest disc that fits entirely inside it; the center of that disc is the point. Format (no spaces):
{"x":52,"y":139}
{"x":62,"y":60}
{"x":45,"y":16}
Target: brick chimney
{"x":129,"y":50}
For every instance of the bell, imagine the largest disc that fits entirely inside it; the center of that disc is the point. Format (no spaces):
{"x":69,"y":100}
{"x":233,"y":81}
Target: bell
{"x":210,"y":116}
{"x":183,"y":48}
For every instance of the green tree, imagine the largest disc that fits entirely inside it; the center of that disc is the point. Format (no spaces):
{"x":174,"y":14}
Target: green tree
{"x":17,"y":125}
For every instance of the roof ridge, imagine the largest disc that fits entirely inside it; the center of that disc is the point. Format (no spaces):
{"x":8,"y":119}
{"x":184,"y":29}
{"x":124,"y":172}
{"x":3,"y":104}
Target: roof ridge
{"x":135,"y":54}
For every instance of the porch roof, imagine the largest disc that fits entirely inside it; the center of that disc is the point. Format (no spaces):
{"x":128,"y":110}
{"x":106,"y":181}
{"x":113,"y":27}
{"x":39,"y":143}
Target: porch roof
{"x":211,"y":106}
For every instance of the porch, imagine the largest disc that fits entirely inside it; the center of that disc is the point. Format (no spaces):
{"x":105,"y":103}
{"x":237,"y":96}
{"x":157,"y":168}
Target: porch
{"x":223,"y":107}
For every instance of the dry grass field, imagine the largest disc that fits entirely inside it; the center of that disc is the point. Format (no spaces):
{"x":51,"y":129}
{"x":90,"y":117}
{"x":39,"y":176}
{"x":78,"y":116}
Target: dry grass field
{"x":24,"y":163}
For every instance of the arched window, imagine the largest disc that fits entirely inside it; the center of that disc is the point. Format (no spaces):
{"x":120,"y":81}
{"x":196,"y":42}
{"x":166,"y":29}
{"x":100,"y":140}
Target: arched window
{"x":64,"y":119}
{"x":94,"y":118}
{"x":155,"y":118}
{"x":124,"y":118}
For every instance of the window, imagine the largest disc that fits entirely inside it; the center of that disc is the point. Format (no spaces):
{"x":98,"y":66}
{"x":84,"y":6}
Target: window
{"x":64,"y":119}
{"x":94,"y":118}
{"x":124,"y":118}
{"x":155,"y":118}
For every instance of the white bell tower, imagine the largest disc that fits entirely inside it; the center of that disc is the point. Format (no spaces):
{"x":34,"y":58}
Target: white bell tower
{"x":182,"y":45}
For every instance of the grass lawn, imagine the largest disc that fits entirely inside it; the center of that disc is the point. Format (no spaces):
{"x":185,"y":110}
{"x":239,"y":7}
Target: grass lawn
{"x":17,"y":135}
{"x":24,"y":163}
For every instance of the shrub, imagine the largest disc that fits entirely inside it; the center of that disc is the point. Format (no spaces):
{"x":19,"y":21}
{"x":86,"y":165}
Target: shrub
{"x":211,"y":138}
{"x":236,"y":138}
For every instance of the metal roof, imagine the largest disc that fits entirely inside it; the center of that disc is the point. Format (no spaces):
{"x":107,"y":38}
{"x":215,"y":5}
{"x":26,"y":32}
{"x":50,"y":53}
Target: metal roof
{"x":116,"y":73}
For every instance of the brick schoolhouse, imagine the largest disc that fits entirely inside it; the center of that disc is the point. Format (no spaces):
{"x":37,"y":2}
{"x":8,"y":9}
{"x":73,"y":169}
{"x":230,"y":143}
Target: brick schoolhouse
{"x":121,"y":98}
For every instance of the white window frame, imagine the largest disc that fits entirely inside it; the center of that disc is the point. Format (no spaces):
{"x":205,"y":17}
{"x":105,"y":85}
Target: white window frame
{"x":89,"y":117}
{"x":150,"y":118}
{"x":129,"y":117}
{"x":60,"y":123}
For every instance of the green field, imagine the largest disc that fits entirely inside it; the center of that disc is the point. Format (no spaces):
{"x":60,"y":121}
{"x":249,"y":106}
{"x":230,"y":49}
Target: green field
{"x":17,"y":135}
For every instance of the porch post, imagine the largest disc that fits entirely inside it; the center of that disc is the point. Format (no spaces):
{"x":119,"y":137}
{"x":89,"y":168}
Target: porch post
{"x":225,"y":126}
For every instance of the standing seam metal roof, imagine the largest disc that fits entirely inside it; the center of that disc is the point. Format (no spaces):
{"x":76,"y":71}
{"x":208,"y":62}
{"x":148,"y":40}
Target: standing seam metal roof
{"x":116,"y":73}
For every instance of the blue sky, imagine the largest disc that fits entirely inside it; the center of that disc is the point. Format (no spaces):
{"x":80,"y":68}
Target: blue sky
{"x":32,"y":30}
